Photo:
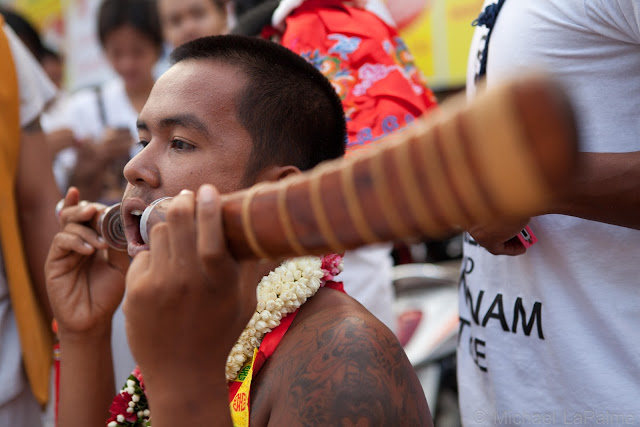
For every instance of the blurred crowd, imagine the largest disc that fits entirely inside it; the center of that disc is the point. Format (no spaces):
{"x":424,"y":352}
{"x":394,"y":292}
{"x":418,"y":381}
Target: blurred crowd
{"x":92,"y":132}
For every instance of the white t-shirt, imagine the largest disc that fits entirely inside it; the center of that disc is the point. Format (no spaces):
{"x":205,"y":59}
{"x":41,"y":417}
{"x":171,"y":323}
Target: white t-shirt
{"x":35,"y":91}
{"x":553,"y":336}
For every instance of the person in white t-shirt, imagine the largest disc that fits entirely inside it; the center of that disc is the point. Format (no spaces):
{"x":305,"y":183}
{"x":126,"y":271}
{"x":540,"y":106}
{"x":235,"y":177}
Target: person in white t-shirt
{"x":34,"y":192}
{"x":103,"y":119}
{"x":551,"y":336}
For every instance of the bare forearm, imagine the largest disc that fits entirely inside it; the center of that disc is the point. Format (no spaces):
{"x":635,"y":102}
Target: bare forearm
{"x":38,"y":228}
{"x":607,"y":189}
{"x":59,"y":140}
{"x":201,"y":399}
{"x":86,"y":383}
{"x":37,"y":195}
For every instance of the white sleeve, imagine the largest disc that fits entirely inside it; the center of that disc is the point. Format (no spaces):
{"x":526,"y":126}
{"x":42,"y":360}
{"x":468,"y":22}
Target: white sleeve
{"x":618,"y":19}
{"x":35,"y":88}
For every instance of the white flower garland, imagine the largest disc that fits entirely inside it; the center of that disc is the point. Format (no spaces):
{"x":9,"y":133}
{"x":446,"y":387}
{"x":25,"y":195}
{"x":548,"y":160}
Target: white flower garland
{"x":279,"y":293}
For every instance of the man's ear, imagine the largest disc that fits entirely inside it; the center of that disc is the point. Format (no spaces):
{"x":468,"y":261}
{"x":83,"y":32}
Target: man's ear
{"x":276,"y":173}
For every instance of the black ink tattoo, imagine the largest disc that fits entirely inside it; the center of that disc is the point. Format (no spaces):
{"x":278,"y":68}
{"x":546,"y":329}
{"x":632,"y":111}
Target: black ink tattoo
{"x":346,"y":371}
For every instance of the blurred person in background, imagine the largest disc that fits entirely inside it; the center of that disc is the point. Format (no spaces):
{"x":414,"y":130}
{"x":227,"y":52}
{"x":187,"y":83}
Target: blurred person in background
{"x":103,"y":118}
{"x":62,"y":137}
{"x":28,"y":196}
{"x":186,"y":20}
{"x":52,"y":63}
{"x":357,"y":47}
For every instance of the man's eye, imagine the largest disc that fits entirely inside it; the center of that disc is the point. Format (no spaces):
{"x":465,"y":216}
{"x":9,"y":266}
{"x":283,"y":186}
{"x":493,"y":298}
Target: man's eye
{"x":143,"y":144}
{"x":179,"y":145}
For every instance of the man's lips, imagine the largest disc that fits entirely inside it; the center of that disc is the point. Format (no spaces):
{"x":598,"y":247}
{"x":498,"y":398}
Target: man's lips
{"x":132,"y":209}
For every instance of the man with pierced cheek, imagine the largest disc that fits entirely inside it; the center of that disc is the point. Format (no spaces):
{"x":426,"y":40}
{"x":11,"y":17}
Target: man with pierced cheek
{"x":231,"y":112}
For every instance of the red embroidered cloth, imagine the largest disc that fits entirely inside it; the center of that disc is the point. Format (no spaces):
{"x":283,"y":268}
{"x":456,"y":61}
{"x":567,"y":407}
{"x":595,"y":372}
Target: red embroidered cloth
{"x":367,"y":62}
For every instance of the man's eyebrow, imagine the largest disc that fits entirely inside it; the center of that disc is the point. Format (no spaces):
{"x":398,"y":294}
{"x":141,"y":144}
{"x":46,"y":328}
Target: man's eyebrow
{"x":183,"y":120}
{"x":140,"y":125}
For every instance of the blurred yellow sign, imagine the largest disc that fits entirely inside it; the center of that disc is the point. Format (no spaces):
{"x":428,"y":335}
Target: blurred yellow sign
{"x":439,"y":40}
{"x":41,"y":13}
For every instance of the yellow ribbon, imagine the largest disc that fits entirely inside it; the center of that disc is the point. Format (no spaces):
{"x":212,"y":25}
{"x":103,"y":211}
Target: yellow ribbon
{"x":239,"y":406}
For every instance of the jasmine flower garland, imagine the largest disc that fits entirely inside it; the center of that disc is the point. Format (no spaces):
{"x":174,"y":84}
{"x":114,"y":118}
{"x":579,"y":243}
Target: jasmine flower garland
{"x":279,"y":293}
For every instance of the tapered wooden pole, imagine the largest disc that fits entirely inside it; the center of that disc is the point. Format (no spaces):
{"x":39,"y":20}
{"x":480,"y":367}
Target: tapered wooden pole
{"x":506,"y":154}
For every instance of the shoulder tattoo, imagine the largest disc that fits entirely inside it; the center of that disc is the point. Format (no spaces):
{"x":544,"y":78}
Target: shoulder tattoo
{"x":351,"y":372}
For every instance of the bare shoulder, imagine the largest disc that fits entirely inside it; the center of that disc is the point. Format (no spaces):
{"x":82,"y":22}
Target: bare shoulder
{"x":338,"y":365}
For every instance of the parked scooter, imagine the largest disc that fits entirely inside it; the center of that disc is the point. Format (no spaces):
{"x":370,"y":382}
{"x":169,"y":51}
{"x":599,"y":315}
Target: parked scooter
{"x":427,"y":327}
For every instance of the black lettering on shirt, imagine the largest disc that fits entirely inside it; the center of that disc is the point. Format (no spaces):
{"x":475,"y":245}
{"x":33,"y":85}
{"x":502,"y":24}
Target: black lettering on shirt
{"x":466,"y":238}
{"x":491,"y":314}
{"x":536,"y":317}
{"x":476,"y":349}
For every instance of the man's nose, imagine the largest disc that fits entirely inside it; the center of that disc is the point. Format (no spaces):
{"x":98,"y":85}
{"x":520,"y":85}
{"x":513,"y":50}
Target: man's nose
{"x":142,"y":168}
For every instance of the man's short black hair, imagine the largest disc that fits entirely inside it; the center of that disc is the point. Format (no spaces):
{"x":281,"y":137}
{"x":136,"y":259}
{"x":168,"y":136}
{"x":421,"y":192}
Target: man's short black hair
{"x":140,"y":14}
{"x":291,"y":111}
